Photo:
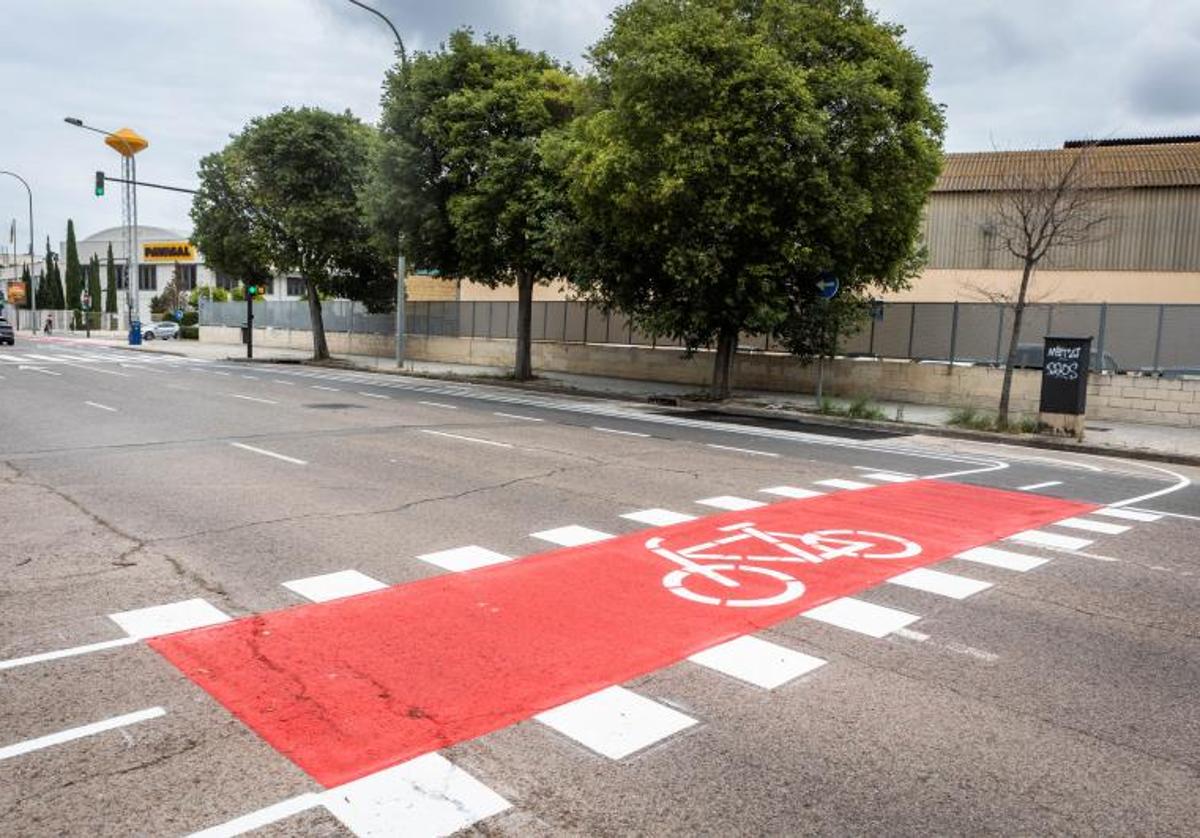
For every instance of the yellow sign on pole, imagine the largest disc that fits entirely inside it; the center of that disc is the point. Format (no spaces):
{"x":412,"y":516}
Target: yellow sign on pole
{"x":168,"y":252}
{"x":16,"y":292}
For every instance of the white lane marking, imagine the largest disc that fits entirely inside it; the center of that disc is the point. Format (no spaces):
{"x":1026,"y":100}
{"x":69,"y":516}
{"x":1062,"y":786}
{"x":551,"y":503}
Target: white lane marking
{"x":218,"y":372}
{"x":1127,"y":515}
{"x":731,"y":503}
{"x":37,"y":369}
{"x":267,"y":453}
{"x":888,"y":477}
{"x":442,"y":405}
{"x":909,"y":634}
{"x":942,"y":584}
{"x":467,"y":438}
{"x":71,"y":734}
{"x":263,"y":817}
{"x":1163,"y":512}
{"x":1035,"y":486}
{"x":848,"y":485}
{"x":167,"y":619}
{"x":861,"y":616}
{"x":97,"y":370}
{"x":571,"y":536}
{"x":1181,"y":483}
{"x":658,"y":517}
{"x":749,"y":451}
{"x":918,"y":637}
{"x":276,"y":381}
{"x":758,"y":662}
{"x":422,"y":798}
{"x":604,"y":430}
{"x":980,"y":463}
{"x":250,"y":398}
{"x":373,"y":395}
{"x":330,"y":586}
{"x":1001,"y":558}
{"x":251,"y":377}
{"x":1102,"y":527}
{"x":326,"y":389}
{"x":1069,"y":463}
{"x":794,"y":492}
{"x":459,"y":559}
{"x":1050,"y":539}
{"x":99,"y":406}
{"x":615,"y":722}
{"x":517,"y":416}
{"x":13,"y":663}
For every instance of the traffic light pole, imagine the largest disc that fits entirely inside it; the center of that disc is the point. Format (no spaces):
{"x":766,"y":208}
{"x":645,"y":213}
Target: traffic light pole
{"x":249,"y":324}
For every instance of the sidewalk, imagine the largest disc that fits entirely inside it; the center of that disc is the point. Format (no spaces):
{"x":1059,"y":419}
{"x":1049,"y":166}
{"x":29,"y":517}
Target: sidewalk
{"x":1102,"y":437}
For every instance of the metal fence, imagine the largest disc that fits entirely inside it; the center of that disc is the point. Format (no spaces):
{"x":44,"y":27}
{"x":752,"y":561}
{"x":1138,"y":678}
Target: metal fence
{"x":1136,"y":337}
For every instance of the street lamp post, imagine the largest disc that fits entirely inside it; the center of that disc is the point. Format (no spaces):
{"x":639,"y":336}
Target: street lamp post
{"x":401,"y":266}
{"x":127,"y":143}
{"x":32,"y":280}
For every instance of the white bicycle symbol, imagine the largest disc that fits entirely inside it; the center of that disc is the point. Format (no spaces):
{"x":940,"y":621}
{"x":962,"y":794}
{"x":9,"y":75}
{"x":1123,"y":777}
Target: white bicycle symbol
{"x":718,"y":562}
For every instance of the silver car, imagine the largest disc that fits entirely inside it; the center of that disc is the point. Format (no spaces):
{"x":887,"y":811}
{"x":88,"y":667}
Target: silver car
{"x":162,"y":330}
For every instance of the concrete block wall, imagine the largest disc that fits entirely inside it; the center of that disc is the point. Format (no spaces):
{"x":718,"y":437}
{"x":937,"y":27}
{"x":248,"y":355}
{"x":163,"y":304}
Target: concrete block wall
{"x":1123,"y":398}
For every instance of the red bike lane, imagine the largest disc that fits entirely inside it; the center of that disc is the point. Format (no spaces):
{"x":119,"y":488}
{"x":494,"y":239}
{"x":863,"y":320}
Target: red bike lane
{"x":350,"y":687}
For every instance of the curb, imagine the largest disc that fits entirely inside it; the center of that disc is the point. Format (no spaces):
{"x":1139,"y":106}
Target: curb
{"x":1027,"y":441}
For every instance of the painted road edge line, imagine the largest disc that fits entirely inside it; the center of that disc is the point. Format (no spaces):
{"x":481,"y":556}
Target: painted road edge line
{"x":101,"y":406}
{"x":262,"y":817}
{"x":267,"y":453}
{"x":71,"y":734}
{"x":1032,"y":487}
{"x":13,"y":663}
{"x":251,"y":398}
{"x":466,"y":438}
{"x":619,"y":432}
{"x":749,"y":451}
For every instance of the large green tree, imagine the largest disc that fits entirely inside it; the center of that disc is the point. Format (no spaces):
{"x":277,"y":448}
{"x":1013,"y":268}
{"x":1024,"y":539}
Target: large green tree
{"x":110,"y":268}
{"x":740,"y":149}
{"x":74,"y":275}
{"x":286,"y":196}
{"x":460,"y":175}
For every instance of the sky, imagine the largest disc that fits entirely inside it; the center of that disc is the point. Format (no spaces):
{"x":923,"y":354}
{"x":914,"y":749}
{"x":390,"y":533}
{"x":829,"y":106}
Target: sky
{"x":187,"y":74}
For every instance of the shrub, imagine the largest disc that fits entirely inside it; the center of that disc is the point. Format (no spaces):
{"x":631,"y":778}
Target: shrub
{"x":190,"y":318}
{"x":189,"y":333}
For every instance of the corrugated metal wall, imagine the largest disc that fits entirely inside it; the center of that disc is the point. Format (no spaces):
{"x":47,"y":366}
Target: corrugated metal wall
{"x":1150,"y":230}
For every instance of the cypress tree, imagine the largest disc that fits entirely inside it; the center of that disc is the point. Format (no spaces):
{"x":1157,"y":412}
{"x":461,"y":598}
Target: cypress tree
{"x":110,"y":302}
{"x":28,"y":280}
{"x":74,"y":273}
{"x":93,"y":287}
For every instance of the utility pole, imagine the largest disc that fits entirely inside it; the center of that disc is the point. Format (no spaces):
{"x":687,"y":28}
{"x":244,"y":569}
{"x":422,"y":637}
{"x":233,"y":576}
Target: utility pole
{"x":32,"y":290}
{"x":401,"y":265}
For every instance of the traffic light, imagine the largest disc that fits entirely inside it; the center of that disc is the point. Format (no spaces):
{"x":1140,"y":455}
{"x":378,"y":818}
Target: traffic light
{"x":99,"y":184}
{"x":252,"y":290}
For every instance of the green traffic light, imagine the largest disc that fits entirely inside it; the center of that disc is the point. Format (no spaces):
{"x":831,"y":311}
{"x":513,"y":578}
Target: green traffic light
{"x":99,"y":184}
{"x":252,"y":290}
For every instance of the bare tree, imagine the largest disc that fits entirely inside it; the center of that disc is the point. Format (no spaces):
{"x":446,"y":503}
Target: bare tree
{"x":1045,"y":203}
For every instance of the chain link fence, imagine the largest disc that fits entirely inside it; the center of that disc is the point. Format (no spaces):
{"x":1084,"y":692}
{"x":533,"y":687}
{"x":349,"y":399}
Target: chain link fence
{"x":1130,"y":337}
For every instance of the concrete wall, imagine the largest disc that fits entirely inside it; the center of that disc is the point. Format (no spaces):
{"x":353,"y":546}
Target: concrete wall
{"x":1118,"y":398}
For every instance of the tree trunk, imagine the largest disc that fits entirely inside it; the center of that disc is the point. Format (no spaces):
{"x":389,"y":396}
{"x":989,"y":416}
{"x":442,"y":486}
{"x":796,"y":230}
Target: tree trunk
{"x":1013,"y":345}
{"x":320,"y":346}
{"x":723,"y":363}
{"x":523,"y":369}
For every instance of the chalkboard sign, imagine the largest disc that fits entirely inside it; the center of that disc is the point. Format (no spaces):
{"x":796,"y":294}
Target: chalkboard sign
{"x":1065,"y":367}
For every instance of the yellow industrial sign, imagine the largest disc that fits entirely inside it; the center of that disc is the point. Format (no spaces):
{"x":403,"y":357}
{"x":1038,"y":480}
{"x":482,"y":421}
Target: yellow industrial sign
{"x":168,"y":252}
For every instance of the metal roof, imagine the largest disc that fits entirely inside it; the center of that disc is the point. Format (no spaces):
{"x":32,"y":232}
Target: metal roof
{"x":1110,"y":167}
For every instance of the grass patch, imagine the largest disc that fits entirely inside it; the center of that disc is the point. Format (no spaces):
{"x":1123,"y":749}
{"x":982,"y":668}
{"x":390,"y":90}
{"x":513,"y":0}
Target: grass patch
{"x":860,"y":408}
{"x":972,"y":419}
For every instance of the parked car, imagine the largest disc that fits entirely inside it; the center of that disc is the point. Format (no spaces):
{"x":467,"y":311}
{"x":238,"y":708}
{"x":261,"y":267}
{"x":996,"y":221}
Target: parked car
{"x":7,"y":335}
{"x":163,"y":330}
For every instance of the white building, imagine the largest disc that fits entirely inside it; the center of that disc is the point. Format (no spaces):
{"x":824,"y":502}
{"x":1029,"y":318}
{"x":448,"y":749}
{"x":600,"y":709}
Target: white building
{"x":162,"y":255}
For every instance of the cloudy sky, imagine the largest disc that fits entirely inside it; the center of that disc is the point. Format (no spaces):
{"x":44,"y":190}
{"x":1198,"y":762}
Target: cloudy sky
{"x":187,"y":73}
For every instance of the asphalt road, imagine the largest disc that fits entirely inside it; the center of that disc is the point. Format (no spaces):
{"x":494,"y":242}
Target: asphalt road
{"x":1060,"y":699}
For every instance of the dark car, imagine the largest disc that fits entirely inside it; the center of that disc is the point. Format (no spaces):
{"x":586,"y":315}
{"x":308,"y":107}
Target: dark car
{"x":6,"y":333}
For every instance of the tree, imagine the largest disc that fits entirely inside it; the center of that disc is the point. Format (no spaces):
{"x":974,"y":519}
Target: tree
{"x":93,"y":288}
{"x":50,"y":283}
{"x":460,"y":175}
{"x":285,"y":196}
{"x":1044,"y":203}
{"x":28,"y":280}
{"x":738,"y":150}
{"x":74,"y":274}
{"x":110,"y":301}
{"x":217,"y":295}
